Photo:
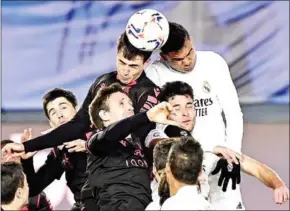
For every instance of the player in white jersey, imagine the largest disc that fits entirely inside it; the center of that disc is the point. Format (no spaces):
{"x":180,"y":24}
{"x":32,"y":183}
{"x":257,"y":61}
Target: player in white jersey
{"x":183,"y":167}
{"x":208,"y":74}
{"x":180,"y":96}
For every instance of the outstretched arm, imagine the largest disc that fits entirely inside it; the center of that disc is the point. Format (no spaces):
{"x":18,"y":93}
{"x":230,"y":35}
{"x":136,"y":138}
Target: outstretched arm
{"x":267,"y":176}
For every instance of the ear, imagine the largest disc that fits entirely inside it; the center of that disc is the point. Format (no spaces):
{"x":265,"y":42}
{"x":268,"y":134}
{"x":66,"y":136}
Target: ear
{"x":104,"y":115}
{"x":19,"y":193}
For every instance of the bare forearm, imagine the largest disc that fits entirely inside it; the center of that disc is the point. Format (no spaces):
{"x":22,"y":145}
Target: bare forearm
{"x":262,"y":172}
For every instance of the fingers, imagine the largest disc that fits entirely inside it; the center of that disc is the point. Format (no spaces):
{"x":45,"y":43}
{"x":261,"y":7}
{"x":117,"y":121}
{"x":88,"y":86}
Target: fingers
{"x":239,"y":178}
{"x":17,"y":154}
{"x":234,"y":183}
{"x":221,"y":179}
{"x":77,"y":149}
{"x":225,"y":185}
{"x":72,"y":143}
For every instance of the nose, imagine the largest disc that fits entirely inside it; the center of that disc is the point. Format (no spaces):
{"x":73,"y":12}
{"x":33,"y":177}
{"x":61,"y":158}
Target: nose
{"x":126,"y":71}
{"x":59,"y":115}
{"x":185,"y":112}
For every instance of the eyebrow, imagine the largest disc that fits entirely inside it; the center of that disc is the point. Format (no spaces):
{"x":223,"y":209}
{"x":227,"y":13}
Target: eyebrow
{"x":179,"y":59}
{"x":130,"y":65}
{"x":62,"y":103}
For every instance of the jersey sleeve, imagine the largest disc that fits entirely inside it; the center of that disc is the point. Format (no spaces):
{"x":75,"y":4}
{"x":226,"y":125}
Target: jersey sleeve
{"x":74,"y":129}
{"x":229,"y":101}
{"x":110,"y":137}
{"x":46,"y":174}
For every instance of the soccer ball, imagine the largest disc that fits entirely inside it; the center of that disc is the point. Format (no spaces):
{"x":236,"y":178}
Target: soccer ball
{"x":147,"y":30}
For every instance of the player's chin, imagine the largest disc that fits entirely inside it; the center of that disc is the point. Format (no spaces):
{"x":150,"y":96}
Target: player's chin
{"x":187,"y":126}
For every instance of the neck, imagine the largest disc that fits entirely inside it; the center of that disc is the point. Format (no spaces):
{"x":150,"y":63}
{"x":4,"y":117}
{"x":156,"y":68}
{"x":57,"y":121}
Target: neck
{"x":12,"y":206}
{"x":175,"y":186}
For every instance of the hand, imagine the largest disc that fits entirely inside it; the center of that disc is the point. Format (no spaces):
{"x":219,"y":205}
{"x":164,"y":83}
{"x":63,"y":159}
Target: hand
{"x":228,"y":154}
{"x":76,"y":146}
{"x":27,"y":135}
{"x":281,"y":194}
{"x":13,"y":149}
{"x":160,"y":113}
{"x":228,"y":171}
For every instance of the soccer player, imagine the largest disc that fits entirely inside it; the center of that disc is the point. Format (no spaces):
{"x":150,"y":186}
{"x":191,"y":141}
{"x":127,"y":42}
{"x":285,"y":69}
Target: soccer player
{"x":14,"y":187}
{"x":208,"y":74}
{"x":180,"y":96}
{"x":130,"y":75}
{"x":183,"y":167}
{"x":60,"y":106}
{"x":118,"y":170}
{"x":38,"y":202}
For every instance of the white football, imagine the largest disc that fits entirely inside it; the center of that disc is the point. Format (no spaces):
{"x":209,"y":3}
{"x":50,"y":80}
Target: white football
{"x":147,"y":30}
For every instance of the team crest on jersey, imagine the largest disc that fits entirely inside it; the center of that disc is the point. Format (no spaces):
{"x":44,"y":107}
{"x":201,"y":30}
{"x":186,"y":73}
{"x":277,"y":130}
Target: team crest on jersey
{"x":206,"y":87}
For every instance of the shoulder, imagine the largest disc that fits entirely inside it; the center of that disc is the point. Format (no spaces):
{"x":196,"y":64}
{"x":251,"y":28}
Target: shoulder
{"x":157,"y":65}
{"x":154,"y":205}
{"x":206,"y":55}
{"x":170,"y":204}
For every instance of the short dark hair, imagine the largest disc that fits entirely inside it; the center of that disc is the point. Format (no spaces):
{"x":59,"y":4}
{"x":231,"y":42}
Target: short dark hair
{"x":12,"y":178}
{"x":51,"y":95}
{"x":176,"y":39}
{"x":185,"y":160}
{"x":5,"y":142}
{"x":129,"y":51}
{"x":171,"y":89}
{"x":161,"y":151}
{"x":100,"y":103}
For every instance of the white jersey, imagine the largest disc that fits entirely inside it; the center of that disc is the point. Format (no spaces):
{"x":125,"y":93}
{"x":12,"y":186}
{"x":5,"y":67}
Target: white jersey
{"x":229,"y":200}
{"x":214,"y":93}
{"x":187,"y":198}
{"x":155,"y":204}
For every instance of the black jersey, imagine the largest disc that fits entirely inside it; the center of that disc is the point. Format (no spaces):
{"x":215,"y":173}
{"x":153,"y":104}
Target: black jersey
{"x":38,"y":203}
{"x":143,"y":92}
{"x":117,"y":166}
{"x":58,"y":161}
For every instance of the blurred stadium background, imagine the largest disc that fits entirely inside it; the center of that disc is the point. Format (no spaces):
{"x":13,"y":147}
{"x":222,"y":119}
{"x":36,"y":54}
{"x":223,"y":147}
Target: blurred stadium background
{"x":48,"y":44}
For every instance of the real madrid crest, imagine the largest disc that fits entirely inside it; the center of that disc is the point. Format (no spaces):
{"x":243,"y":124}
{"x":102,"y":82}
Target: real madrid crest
{"x":206,"y":87}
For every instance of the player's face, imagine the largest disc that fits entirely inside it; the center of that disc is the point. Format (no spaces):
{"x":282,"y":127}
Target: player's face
{"x":183,"y":111}
{"x":183,"y":60}
{"x":60,"y":111}
{"x":120,"y":107}
{"x":129,"y":70}
{"x":6,"y":157}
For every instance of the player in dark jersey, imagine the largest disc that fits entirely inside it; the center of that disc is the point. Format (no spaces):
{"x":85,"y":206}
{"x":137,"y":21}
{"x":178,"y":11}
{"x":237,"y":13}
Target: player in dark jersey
{"x":130,"y":75}
{"x":60,"y":106}
{"x":37,"y":202}
{"x":118,"y":170}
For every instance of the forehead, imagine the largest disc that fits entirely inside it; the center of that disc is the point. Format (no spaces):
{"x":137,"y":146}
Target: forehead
{"x":56,"y":102}
{"x":183,"y":52}
{"x":117,"y":96}
{"x":180,"y":99}
{"x":133,"y":60}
